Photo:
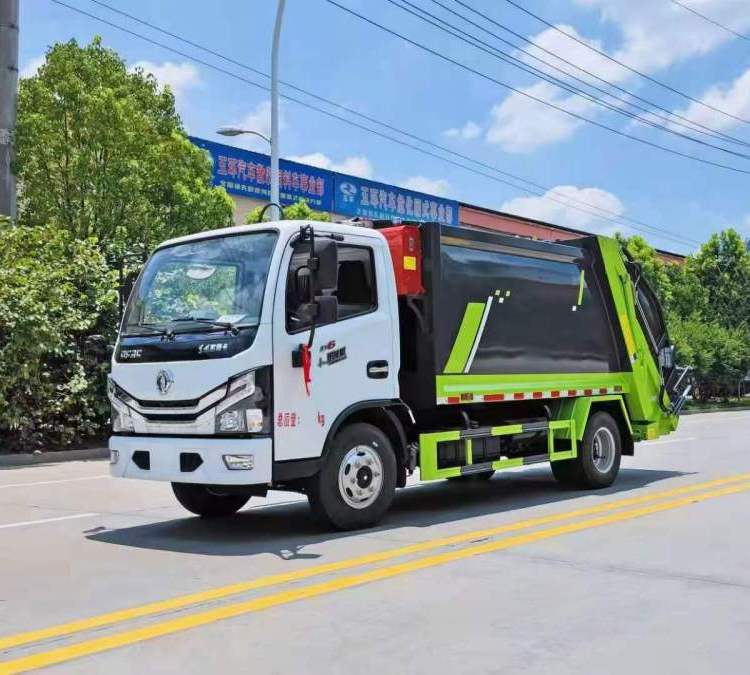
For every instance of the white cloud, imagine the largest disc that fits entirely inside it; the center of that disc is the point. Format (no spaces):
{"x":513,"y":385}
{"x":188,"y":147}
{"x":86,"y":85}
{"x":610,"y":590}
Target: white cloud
{"x":519,"y":124}
{"x":554,"y":41}
{"x":32,"y":66}
{"x":432,"y":186}
{"x":732,"y":98}
{"x":560,"y":213}
{"x":653,"y":36}
{"x":467,"y":132}
{"x":656,"y":35}
{"x":356,"y":165}
{"x":179,"y":76}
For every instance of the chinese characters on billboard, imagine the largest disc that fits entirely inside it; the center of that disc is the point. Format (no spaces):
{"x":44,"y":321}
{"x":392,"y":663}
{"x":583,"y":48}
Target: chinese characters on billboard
{"x":367,"y":199}
{"x":248,"y":173}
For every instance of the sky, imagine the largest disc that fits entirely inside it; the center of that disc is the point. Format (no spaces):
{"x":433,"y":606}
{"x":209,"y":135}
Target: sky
{"x":335,"y":55}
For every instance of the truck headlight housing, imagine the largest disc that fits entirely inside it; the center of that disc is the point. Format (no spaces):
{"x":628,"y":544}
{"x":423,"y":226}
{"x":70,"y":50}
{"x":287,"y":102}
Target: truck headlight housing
{"x":119,"y":411}
{"x":246,"y":406}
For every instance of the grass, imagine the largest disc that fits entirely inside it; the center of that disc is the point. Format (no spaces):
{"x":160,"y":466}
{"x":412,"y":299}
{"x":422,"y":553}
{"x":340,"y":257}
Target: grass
{"x":707,"y":406}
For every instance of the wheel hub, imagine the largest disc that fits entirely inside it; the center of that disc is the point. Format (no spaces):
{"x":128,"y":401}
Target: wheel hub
{"x":360,"y":477}
{"x":603,"y":450}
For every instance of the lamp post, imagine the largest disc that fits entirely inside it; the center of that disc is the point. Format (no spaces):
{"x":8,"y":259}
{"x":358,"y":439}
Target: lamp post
{"x":275,"y":105}
{"x":273,"y":141}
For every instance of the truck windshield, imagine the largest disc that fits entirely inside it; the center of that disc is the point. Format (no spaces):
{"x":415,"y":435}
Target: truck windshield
{"x":202,"y":285}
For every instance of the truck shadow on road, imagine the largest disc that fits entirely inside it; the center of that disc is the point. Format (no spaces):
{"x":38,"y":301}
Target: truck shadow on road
{"x":288,"y":531}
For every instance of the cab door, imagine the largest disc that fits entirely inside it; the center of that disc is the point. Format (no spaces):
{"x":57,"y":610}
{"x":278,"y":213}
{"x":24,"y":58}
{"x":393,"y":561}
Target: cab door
{"x":353,"y":358}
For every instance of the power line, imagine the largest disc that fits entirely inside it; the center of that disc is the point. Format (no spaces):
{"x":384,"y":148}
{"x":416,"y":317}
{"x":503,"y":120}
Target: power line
{"x":391,"y":127}
{"x":550,"y":79}
{"x":670,"y":114}
{"x":617,"y":219}
{"x":625,"y":65}
{"x":710,"y":20}
{"x":531,"y":97}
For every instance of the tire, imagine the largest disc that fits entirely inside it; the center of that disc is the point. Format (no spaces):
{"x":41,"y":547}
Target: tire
{"x":481,"y":476}
{"x":599,"y":456}
{"x":355,"y":486}
{"x":201,"y":501}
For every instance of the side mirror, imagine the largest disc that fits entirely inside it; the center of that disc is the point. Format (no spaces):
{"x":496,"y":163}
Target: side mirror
{"x":324,"y":310}
{"x":326,"y":265}
{"x":95,"y":349}
{"x":328,"y":309}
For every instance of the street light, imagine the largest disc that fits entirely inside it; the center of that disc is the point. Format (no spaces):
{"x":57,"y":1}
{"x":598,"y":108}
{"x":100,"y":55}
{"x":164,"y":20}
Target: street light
{"x":275,"y":107}
{"x":234,"y":131}
{"x":273,"y":141}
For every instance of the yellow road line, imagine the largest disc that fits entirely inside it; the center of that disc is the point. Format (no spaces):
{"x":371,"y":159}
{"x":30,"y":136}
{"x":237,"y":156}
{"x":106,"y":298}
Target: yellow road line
{"x":221,"y":592}
{"x":202,"y":618}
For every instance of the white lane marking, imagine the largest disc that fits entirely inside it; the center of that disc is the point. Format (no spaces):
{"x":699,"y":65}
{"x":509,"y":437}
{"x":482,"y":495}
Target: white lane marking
{"x":672,"y":440}
{"x":53,"y":482}
{"x":475,"y":346}
{"x":48,"y":520}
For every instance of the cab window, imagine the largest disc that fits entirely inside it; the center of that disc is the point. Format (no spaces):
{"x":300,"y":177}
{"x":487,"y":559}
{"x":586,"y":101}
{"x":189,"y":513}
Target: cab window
{"x":356,"y":291}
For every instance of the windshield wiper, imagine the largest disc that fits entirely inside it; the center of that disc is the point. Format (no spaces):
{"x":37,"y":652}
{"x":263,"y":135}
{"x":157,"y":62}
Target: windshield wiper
{"x":226,"y":325}
{"x":135,"y":329}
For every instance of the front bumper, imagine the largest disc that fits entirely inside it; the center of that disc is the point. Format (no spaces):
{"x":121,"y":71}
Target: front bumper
{"x":173,"y":459}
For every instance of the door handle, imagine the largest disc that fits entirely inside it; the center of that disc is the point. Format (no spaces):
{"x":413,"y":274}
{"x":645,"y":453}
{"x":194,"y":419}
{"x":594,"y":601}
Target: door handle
{"x":377,"y":370}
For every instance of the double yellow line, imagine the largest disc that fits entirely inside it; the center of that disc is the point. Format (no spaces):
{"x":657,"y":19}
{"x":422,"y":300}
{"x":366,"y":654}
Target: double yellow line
{"x":615,"y":511}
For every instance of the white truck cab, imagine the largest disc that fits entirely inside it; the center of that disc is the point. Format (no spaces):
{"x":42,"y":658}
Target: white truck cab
{"x":218,"y":387}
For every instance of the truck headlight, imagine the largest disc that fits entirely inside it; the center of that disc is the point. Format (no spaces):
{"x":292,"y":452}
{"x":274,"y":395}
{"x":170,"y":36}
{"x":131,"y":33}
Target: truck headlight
{"x":245,"y":408}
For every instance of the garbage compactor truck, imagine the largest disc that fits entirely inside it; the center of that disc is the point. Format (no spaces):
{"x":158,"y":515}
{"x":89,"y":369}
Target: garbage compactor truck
{"x":334,"y":359}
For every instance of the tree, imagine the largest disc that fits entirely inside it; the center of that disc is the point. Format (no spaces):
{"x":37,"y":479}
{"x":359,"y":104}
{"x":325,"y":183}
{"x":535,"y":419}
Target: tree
{"x":102,"y":152}
{"x":300,"y":210}
{"x":720,"y":356}
{"x":722,"y":266}
{"x":655,"y":270}
{"x":53,"y":291}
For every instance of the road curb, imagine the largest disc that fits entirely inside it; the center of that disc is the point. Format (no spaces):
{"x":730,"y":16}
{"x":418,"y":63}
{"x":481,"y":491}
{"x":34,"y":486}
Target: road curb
{"x":713,"y":410}
{"x":26,"y":459}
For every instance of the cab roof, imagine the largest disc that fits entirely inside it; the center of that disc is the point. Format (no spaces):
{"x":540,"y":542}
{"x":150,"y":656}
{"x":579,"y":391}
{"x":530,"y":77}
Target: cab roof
{"x":284,"y":227}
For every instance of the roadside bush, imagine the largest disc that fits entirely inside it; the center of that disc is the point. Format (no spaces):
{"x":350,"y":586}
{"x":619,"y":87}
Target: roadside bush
{"x":720,"y":356}
{"x":54,"y":291}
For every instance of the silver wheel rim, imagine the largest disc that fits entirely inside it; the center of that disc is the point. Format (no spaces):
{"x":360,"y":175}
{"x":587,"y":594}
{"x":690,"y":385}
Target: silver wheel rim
{"x":604,"y":450}
{"x":360,"y":477}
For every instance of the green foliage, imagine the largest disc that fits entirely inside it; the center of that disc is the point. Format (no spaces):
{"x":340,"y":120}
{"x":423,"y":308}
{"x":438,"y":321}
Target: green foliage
{"x":54,"y":289}
{"x":101,"y":152}
{"x":707,"y":304}
{"x":720,"y":356}
{"x":105,"y":172}
{"x":723,"y":267}
{"x":300,"y":210}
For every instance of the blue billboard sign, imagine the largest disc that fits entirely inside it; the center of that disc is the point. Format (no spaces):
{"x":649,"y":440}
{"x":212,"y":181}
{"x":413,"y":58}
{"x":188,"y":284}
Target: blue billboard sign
{"x":247,"y":173}
{"x":368,"y":199}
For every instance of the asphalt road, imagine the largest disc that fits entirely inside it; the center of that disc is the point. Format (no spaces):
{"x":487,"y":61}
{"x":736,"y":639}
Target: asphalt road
{"x":516,"y":575}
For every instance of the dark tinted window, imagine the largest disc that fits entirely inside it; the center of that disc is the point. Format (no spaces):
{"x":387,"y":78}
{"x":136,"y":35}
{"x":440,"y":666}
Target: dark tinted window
{"x":356,"y":291}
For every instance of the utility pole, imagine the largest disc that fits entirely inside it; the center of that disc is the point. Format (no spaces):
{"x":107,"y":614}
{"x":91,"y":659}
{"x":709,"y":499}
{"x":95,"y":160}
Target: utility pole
{"x":8,"y":102}
{"x":275,"y":108}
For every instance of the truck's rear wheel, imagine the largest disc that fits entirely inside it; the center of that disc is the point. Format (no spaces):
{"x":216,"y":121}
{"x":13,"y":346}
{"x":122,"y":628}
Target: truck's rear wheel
{"x":599,"y":455}
{"x":357,"y":481}
{"x":204,"y":502}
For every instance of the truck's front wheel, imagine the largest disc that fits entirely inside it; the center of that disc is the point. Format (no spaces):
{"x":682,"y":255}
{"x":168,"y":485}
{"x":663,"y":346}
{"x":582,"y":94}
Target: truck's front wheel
{"x":357,"y":481}
{"x":204,"y":502}
{"x":599,"y":455}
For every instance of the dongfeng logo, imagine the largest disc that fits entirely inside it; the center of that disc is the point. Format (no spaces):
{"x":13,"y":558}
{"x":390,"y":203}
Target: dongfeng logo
{"x":164,"y":381}
{"x":349,"y":190}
